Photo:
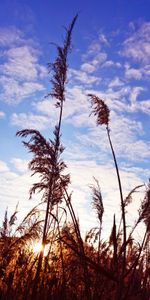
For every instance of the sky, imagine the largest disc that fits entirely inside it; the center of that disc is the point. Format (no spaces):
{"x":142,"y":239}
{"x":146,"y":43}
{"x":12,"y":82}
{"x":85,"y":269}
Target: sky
{"x":110,"y":58}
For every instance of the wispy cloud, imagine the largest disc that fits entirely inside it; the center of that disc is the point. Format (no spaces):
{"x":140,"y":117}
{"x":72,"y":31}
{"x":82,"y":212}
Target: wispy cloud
{"x":111,"y":63}
{"x":103,"y":39}
{"x":20,"y":165}
{"x":82,"y":176}
{"x":145,"y":106}
{"x":21,"y":71}
{"x":83,"y":76}
{"x":134,"y":94}
{"x":10,"y":36}
{"x":133,"y":72}
{"x":88,"y":67}
{"x":14,"y":91}
{"x":76,"y":103}
{"x":123,"y":102}
{"x":116,"y":82}
{"x":18,"y":191}
{"x":2,"y":115}
{"x":95,"y":56}
{"x":137,"y":45}
{"x":21,"y":63}
{"x":138,"y":73}
{"x":126,"y":132}
{"x":29,"y":120}
{"x":3,"y":167}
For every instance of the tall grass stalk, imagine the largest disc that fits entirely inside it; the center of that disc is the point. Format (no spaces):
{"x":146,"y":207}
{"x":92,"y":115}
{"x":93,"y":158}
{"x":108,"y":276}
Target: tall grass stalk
{"x":101,"y":111}
{"x":50,"y":158}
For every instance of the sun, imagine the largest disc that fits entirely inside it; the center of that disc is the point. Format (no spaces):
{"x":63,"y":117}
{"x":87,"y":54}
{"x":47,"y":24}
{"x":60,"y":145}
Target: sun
{"x":37,"y":247}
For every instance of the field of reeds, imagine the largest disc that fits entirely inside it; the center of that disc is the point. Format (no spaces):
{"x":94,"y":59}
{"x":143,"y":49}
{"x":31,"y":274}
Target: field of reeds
{"x":68,"y":265}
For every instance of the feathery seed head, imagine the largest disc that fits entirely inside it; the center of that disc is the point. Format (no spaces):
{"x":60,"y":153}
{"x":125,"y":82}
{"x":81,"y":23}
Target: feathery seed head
{"x":99,"y":109}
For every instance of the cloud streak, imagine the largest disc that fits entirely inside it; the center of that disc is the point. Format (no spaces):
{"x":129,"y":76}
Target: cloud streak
{"x":137,"y":45}
{"x":21,"y":71}
{"x":29,"y":120}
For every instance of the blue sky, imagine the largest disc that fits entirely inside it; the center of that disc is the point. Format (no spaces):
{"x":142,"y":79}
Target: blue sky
{"x":111,"y":58}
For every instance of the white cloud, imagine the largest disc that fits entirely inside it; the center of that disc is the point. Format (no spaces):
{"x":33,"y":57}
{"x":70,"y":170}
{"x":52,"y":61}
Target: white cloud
{"x":103,"y":39}
{"x":76,"y":107}
{"x":111,"y":63}
{"x":115,"y":98}
{"x":15,"y":91}
{"x":20,"y":68}
{"x":136,"y":150}
{"x":18,"y":192}
{"x":116,"y":82}
{"x":42,"y":71}
{"x":82,"y":176}
{"x":140,"y":73}
{"x":21,"y":63}
{"x":94,"y":57}
{"x":99,"y":59}
{"x":29,"y":120}
{"x":3,"y":167}
{"x":127,"y":137}
{"x":21,"y":165}
{"x":132,"y":72}
{"x":137,"y":46}
{"x":2,"y":114}
{"x":134,"y":94}
{"x":83,"y":77}
{"x":144,"y":106}
{"x":46,"y":106}
{"x":10,"y":36}
{"x":126,"y":131}
{"x":93,"y":49}
{"x":123,"y":98}
{"x":87,"y":67}
{"x":76,"y":101}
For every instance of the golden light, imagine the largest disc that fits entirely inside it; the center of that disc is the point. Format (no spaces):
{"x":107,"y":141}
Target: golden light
{"x":36,"y":247}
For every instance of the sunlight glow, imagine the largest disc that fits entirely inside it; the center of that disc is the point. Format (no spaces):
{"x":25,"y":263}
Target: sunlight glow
{"x":37,"y":247}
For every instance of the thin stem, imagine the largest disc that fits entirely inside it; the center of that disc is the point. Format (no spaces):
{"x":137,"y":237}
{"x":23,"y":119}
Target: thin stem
{"x":58,"y":81}
{"x":122,"y":207}
{"x":135,"y":264}
{"x":80,"y":241}
{"x":49,"y":206}
{"x":51,"y":181}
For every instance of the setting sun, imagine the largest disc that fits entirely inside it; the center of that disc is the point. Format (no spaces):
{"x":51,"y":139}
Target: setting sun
{"x":37,"y":247}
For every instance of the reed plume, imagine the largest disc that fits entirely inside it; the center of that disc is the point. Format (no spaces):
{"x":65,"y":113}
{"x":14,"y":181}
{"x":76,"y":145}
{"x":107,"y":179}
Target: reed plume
{"x":102,"y":112}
